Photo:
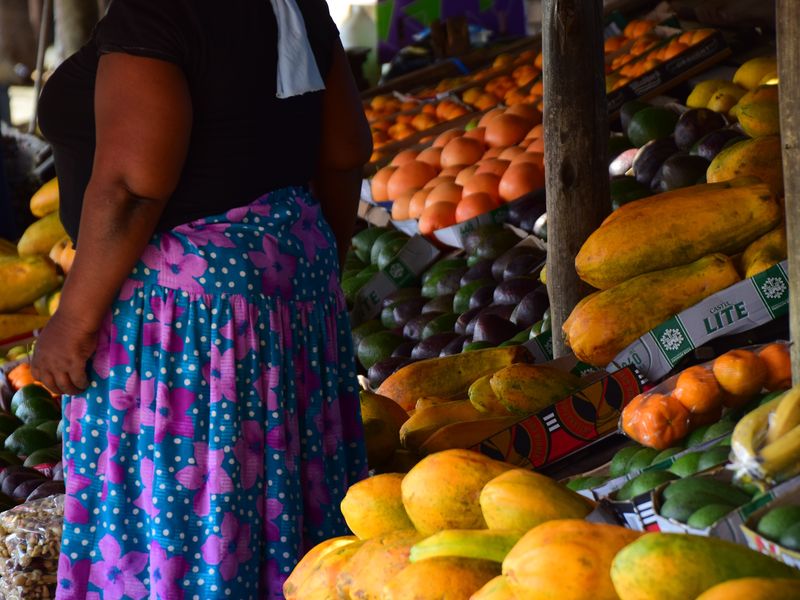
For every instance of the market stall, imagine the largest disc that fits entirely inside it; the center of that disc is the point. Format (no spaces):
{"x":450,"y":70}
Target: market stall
{"x":571,"y":305}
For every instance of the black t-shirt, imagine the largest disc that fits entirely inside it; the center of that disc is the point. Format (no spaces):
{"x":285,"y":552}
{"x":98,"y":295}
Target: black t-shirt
{"x":244,"y":141}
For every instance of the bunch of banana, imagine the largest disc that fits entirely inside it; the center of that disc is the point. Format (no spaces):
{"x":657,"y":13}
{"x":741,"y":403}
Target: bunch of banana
{"x":765,"y":444}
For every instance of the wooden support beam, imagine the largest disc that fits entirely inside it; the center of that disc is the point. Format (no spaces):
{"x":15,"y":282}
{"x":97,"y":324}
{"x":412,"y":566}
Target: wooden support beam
{"x":576,"y":145}
{"x":788,"y":38}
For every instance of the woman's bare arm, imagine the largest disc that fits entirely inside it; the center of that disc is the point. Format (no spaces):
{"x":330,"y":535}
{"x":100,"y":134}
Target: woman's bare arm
{"x":143,"y":116}
{"x":346,"y":147}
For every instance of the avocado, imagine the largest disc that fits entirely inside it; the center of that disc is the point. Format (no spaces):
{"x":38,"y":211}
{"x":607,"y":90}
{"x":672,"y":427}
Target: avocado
{"x":695,"y":438}
{"x":363,"y":241}
{"x":44,"y":456}
{"x":494,"y":329}
{"x":404,"y":293}
{"x":35,"y":407}
{"x":500,"y":264}
{"x":645,"y":482}
{"x":471,"y":346}
{"x":368,"y":270}
{"x":624,"y":189}
{"x":680,"y":170}
{"x":490,"y":241}
{"x":8,"y":423}
{"x":445,"y":264}
{"x":432,"y":346}
{"x":586,"y":482}
{"x":482,"y":269}
{"x":642,"y":459}
{"x":725,"y":492}
{"x":461,"y":299}
{"x":32,"y":390}
{"x":776,"y":521}
{"x":414,"y":327}
{"x":351,"y":287}
{"x":50,"y":428}
{"x":620,"y":460}
{"x":26,"y":440}
{"x":718,"y":429}
{"x":401,"y":312}
{"x":377,"y":347}
{"x":718,"y":455}
{"x":681,"y":506}
{"x":665,"y":454}
{"x":708,"y":515}
{"x":382,"y":241}
{"x":443,"y":282}
{"x":649,"y":159}
{"x":455,"y":346}
{"x":791,"y":538}
{"x":686,"y":464}
{"x":629,"y":109}
{"x":440,"y":324}
{"x":364,"y":329}
{"x":529,"y":265}
{"x":694,"y":124}
{"x":390,"y":250}
{"x":651,"y":123}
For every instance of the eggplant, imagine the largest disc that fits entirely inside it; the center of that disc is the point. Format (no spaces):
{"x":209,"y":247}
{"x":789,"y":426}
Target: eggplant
{"x":532,"y":202}
{"x":413,"y":328}
{"x":465,"y":318}
{"x":529,"y":265}
{"x":11,"y":482}
{"x":500,"y":263}
{"x":440,"y":304}
{"x":405,"y":293}
{"x":681,"y":170}
{"x":26,"y":488}
{"x":405,"y":310}
{"x":404,"y":349}
{"x":712,"y":143}
{"x":449,"y":282}
{"x":502,"y":310}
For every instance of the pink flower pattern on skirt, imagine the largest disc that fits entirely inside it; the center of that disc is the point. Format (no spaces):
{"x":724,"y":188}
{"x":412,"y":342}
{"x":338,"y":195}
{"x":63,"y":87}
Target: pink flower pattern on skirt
{"x":221,"y":428}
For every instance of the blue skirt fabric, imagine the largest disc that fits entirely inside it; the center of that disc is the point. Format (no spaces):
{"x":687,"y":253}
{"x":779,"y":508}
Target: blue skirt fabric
{"x":221,"y":428}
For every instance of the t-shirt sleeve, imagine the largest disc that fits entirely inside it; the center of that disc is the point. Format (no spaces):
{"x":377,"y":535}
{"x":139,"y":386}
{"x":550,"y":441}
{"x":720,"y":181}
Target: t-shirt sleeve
{"x":149,"y":28}
{"x":321,"y":31}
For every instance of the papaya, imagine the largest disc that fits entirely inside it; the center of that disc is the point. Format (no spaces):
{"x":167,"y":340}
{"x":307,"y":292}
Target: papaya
{"x":39,"y":237}
{"x":443,"y":578}
{"x":763,"y":92}
{"x":7,"y":248}
{"x":309,"y":562}
{"x":759,"y":114}
{"x":374,"y":506}
{"x":447,"y":376}
{"x":375,"y":563}
{"x":442,"y":490}
{"x":525,"y":389}
{"x":667,"y":566}
{"x":382,"y":418}
{"x":765,"y":252}
{"x":466,"y":434}
{"x":320,"y":583}
{"x":15,"y":324}
{"x":45,"y":200}
{"x":483,"y":398}
{"x":567,"y":559}
{"x":754,"y":588}
{"x":63,"y":253}
{"x":522,"y":499}
{"x":495,"y":589}
{"x":676,"y":228}
{"x":24,"y":280}
{"x":427,"y":421}
{"x":759,"y":157}
{"x":613,"y":319}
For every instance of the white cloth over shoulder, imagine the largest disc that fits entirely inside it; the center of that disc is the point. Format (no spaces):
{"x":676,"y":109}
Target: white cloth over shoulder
{"x":298,"y":72}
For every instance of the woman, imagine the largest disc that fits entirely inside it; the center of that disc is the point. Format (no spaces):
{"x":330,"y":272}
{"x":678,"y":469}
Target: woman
{"x":202,"y":341}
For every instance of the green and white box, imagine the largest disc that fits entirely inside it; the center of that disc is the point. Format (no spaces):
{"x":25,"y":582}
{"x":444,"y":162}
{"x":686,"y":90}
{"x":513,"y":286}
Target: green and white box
{"x":742,"y":306}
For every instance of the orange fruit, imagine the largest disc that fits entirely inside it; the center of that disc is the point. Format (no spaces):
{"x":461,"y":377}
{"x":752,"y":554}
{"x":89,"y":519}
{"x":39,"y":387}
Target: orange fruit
{"x":537,"y":145}
{"x":413,"y":174}
{"x":519,"y":180}
{"x":417,"y":203}
{"x":741,"y":373}
{"x":447,"y":191}
{"x":778,"y":363}
{"x":697,"y":389}
{"x":403,"y":157}
{"x":437,"y":216}
{"x":431,"y":155}
{"x":379,"y":183}
{"x":446,"y":136}
{"x":400,"y":206}
{"x":487,"y":183}
{"x":474,"y":205}
{"x":497,"y":166}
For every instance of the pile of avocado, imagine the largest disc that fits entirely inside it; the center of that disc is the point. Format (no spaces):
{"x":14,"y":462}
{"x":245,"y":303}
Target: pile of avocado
{"x":489,"y":295}
{"x":659,"y":150}
{"x":782,"y":525}
{"x":699,"y":502}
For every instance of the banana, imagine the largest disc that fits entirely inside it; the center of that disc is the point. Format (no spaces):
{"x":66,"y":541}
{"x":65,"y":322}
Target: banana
{"x":780,"y":460}
{"x":749,"y":434}
{"x":786,"y":417}
{"x":484,"y":544}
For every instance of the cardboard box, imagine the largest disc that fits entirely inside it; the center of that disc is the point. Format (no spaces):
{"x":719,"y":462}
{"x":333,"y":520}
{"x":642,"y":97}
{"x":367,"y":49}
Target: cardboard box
{"x":568,"y":425}
{"x":743,"y":306}
{"x":785,"y":494}
{"x":402,"y":271}
{"x":668,"y":74}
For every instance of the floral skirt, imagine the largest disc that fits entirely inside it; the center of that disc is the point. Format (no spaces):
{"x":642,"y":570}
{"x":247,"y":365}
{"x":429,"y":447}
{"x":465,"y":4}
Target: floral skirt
{"x":221,"y":427}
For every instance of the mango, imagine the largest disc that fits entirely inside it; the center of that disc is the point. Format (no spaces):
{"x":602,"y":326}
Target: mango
{"x":751,"y":72}
{"x":442,"y":578}
{"x":566,"y":560}
{"x":46,"y":199}
{"x":40,"y":237}
{"x":754,"y":588}
{"x":442,"y":490}
{"x":522,"y":499}
{"x":374,"y":506}
{"x":666,"y":566}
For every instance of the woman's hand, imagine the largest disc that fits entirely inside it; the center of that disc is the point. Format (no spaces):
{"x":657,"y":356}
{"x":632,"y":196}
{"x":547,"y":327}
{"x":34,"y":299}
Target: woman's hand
{"x":61,"y":352}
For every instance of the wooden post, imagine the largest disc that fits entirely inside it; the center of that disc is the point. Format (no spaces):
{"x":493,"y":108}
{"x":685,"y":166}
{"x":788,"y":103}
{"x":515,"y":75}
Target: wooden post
{"x":788,"y":41}
{"x":576,"y":145}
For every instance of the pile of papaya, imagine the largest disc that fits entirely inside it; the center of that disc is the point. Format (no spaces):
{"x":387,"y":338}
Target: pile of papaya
{"x":32,"y":270}
{"x":698,"y":207}
{"x":461,"y":526}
